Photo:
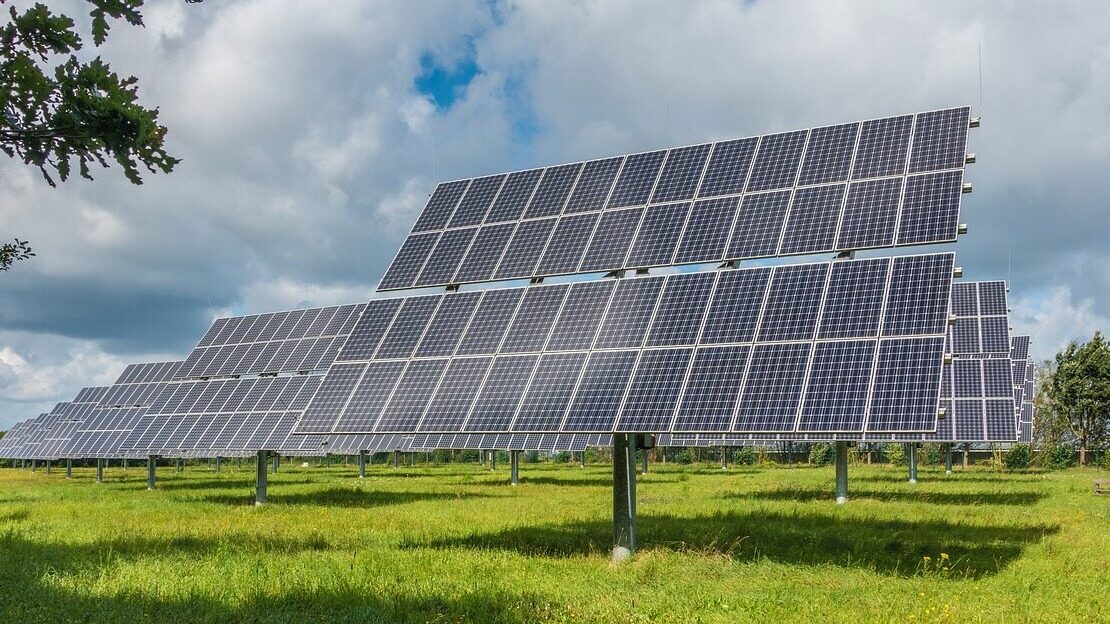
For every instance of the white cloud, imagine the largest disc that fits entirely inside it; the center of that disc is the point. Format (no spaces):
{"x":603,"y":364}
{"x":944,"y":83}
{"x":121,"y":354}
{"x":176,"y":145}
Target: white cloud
{"x":1053,"y":318}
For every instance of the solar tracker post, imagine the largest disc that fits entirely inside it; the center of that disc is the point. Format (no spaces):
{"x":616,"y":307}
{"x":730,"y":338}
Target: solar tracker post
{"x":644,"y":461}
{"x":100,"y":471}
{"x":582,"y":459}
{"x":624,"y":495}
{"x":841,"y":473}
{"x":217,"y":464}
{"x":69,"y":468}
{"x":48,"y":466}
{"x":514,"y":467}
{"x":724,"y":458}
{"x":947,"y":459}
{"x":260,"y":478}
{"x":179,"y":465}
{"x":277,"y":462}
{"x":150,"y":470}
{"x":493,"y":460}
{"x":396,"y":458}
{"x":911,"y":459}
{"x":362,"y":464}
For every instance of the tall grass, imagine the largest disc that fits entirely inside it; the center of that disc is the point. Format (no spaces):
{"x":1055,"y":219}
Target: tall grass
{"x":459,"y":544}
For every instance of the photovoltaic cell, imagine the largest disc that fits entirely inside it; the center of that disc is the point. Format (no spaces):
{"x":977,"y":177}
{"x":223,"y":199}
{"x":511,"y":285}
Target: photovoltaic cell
{"x":707,"y":231}
{"x":883,"y":147}
{"x":637,"y":179}
{"x":490,"y":320}
{"x":655,"y":389}
{"x":440,"y":206}
{"x":712,"y":389}
{"x":836,"y":393}
{"x":410,"y":259}
{"x":829,"y":154}
{"x":773,"y":389}
{"x":400,"y":341}
{"x":484,"y":253}
{"x":992,"y":298}
{"x":681,"y":309}
{"x":581,"y":316}
{"x":994,"y":332}
{"x":331,"y":397}
{"x":501,"y":393}
{"x":568,"y":244}
{"x":939,"y":140}
{"x":456,"y":392}
{"x":920,"y":287}
{"x":549,"y":392}
{"x":592,"y":188}
{"x":553,"y":190}
{"x":967,"y":379}
{"x":446,"y":328}
{"x":601,"y":391}
{"x":369,"y":329}
{"x":965,"y":299}
{"x":793,"y":302}
{"x":758,"y":228}
{"x":729,"y":165}
{"x":444,"y":259}
{"x":411,"y":395}
{"x":870,"y":213}
{"x":854,"y":301}
{"x":812,"y":220}
{"x":523,"y":250}
{"x":514,"y":196}
{"x":736,"y":304}
{"x":534,"y":318}
{"x":776,"y":162}
{"x":931,"y":208}
{"x":476,"y":201}
{"x":629,"y":313}
{"x":611,"y":240}
{"x":907,"y":377}
{"x":658,"y":235}
{"x":681,"y":173}
{"x":965,"y":336}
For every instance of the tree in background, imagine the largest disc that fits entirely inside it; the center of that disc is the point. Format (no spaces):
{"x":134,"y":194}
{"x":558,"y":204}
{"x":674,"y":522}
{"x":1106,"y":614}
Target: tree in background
{"x":56,"y":110}
{"x":1079,"y":392}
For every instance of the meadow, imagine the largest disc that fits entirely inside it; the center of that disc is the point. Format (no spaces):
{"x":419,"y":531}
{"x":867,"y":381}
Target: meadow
{"x":457,"y":543}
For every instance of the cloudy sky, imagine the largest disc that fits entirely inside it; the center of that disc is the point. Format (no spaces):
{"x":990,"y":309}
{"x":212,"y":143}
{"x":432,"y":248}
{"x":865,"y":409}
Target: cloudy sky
{"x":311,"y":133}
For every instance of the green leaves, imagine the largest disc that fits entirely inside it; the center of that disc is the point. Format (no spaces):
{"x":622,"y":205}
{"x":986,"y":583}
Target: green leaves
{"x":1080,"y":389}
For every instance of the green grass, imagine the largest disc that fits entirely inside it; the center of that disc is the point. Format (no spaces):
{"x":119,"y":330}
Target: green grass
{"x":457,"y":543}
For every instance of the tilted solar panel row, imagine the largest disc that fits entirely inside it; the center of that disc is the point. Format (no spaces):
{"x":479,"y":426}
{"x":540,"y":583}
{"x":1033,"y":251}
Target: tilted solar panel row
{"x":219,"y":434}
{"x":148,"y":372}
{"x":842,"y":346}
{"x":288,"y":325}
{"x":880,"y":183}
{"x":262,"y":394}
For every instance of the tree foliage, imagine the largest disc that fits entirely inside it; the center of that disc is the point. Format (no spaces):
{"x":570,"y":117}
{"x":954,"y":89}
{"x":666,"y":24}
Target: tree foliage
{"x":58,"y":111}
{"x":1079,"y":391}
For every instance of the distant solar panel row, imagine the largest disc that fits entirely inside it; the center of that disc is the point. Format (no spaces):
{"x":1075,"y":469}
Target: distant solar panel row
{"x":262,"y":394}
{"x":800,"y":344}
{"x":148,"y":372}
{"x":213,"y":434}
{"x":982,"y":325}
{"x":835,"y":188}
{"x":282,"y":342}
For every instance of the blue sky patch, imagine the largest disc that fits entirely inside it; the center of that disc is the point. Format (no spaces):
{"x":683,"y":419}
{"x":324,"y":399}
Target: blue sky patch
{"x":443,"y":85}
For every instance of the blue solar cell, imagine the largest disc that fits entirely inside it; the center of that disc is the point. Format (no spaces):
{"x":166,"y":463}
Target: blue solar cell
{"x":601,"y":391}
{"x":994,"y":331}
{"x":457,"y":391}
{"x":997,"y":378}
{"x":534,"y":319}
{"x":870,"y":213}
{"x":758,"y":227}
{"x":490,"y":320}
{"x":969,"y":420}
{"x":829,"y":154}
{"x":553,"y":190}
{"x":523,"y":250}
{"x":931,"y":208}
{"x":773,"y":388}
{"x":592,"y":188}
{"x":1001,"y":422}
{"x":484,"y":254}
{"x":965,"y":299}
{"x":629,"y":313}
{"x":658,"y":235}
{"x":812,"y":220}
{"x":549,"y":393}
{"x":408,"y":327}
{"x":501,"y":393}
{"x":681,"y":309}
{"x":992,"y":298}
{"x":514,"y":196}
{"x":476,"y":201}
{"x":855,"y":299}
{"x":707,"y":231}
{"x":776,"y":162}
{"x":734,"y":310}
{"x":446,"y":328}
{"x":940,"y":140}
{"x":411,"y":396}
{"x":917,"y":301}
{"x":883,"y":147}
{"x":568,"y":244}
{"x":729,"y":165}
{"x":793,"y":302}
{"x":907,"y":384}
{"x":328,"y":403}
{"x":440,"y":206}
{"x":637,"y":179}
{"x":655,"y":389}
{"x":836,"y":393}
{"x":410,"y":259}
{"x":965,"y":336}
{"x":713,"y":387}
{"x":581,"y":316}
{"x":444,"y":259}
{"x":611,"y":241}
{"x":681,"y":174}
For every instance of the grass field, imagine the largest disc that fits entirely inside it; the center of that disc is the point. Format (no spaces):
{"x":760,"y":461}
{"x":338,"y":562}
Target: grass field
{"x":457,"y":543}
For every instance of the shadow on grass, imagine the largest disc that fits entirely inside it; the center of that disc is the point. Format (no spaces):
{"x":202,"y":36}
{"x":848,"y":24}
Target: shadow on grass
{"x":30,"y":571}
{"x":957,"y":476}
{"x":890,"y":547}
{"x":341,"y":497}
{"x":908,"y":495}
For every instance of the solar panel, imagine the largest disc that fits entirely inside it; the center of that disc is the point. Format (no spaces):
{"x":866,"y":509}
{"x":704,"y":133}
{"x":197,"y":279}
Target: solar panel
{"x":849,"y":346}
{"x":879,"y":183}
{"x":981,"y":325}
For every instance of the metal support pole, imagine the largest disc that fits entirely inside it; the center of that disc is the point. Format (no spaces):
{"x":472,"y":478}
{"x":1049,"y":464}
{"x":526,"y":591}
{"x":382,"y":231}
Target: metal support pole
{"x":260,"y":479}
{"x":69,"y":468}
{"x":582,"y":458}
{"x":514,"y":466}
{"x":179,"y":464}
{"x":644,"y":461}
{"x":841,"y":473}
{"x":151,"y":462}
{"x":790,"y":453}
{"x":396,"y":458}
{"x":724,"y":458}
{"x":493,"y":460}
{"x":911,"y":457}
{"x":624,"y":495}
{"x":277,"y":463}
{"x":48,"y":466}
{"x":217,"y":464}
{"x":100,"y":471}
{"x":967,"y":451}
{"x":34,"y":465}
{"x":362,"y":464}
{"x":124,"y":463}
{"x":947,"y":459}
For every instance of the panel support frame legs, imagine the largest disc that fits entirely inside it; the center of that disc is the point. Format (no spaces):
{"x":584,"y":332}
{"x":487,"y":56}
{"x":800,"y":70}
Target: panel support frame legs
{"x":947,"y":459}
{"x":362,"y":464}
{"x":217,"y":464}
{"x":69,"y":468}
{"x":396,"y":458}
{"x":151,"y":463}
{"x":624,"y":496}
{"x":644,"y":462}
{"x":277,"y":462}
{"x":911,"y":461}
{"x":724,"y":458}
{"x":514,"y":467}
{"x":841,"y":473}
{"x":260,"y":478}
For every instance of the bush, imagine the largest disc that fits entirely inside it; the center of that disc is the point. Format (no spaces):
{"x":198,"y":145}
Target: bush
{"x":822,"y":454}
{"x":1104,"y":461}
{"x":1017,"y":458}
{"x":1059,"y":456}
{"x":930,"y":454}
{"x":745,"y":456}
{"x":895,"y":454}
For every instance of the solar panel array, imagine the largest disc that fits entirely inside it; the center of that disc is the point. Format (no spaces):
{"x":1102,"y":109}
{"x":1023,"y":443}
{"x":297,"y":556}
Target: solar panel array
{"x":348,"y":444}
{"x":982,"y":325}
{"x":1024,"y":379}
{"x":879,"y":183}
{"x":851,"y":345}
{"x":278,"y":342}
